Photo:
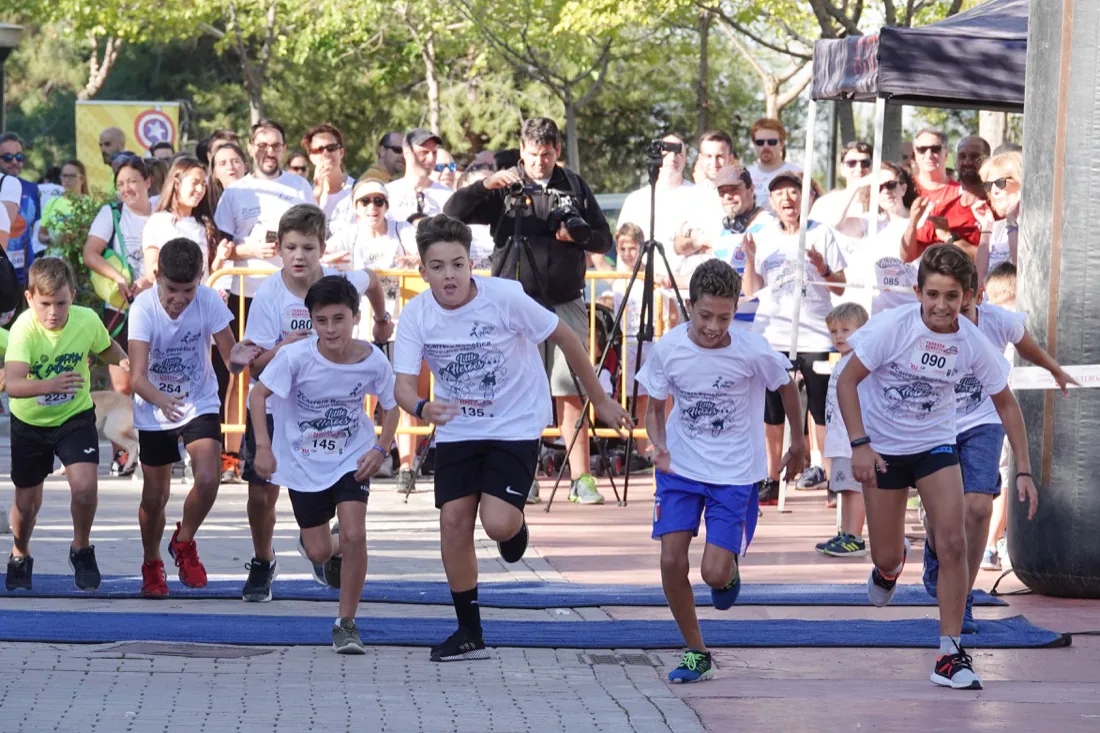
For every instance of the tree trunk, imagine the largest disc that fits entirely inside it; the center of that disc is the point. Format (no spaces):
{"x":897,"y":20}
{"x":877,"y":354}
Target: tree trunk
{"x":771,"y":97}
{"x":702,"y":89}
{"x":993,"y":126}
{"x":99,"y":70}
{"x":433,"y":83}
{"x":254,"y":90}
{"x":846,"y":120}
{"x":573,"y":148}
{"x":891,"y":134}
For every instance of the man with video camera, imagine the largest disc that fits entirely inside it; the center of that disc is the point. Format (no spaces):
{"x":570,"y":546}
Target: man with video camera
{"x":559,"y":222}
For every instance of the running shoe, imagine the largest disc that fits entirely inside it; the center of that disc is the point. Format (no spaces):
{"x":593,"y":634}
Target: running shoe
{"x":84,"y":567}
{"x":261,"y":573}
{"x":812,"y":478}
{"x":118,"y":464}
{"x":231,"y":468}
{"x":462,"y":645}
{"x":533,"y":494}
{"x":186,"y":555}
{"x":318,"y":569}
{"x":154,"y":583}
{"x":1002,"y":552}
{"x":335,"y":563}
{"x":990,"y":559}
{"x":956,"y":671}
{"x":20,"y":570}
{"x":970,"y":626}
{"x":880,"y":589}
{"x":345,"y":637}
{"x":820,"y":546}
{"x":723,"y":598}
{"x":694,"y":667}
{"x":846,"y":545}
{"x":769,"y":492}
{"x":512,"y":550}
{"x":584,"y":491}
{"x":406,"y":481}
{"x":931,"y":574}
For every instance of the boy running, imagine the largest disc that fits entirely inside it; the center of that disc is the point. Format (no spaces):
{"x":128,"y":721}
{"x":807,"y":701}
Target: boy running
{"x":49,"y":383}
{"x":480,"y":338}
{"x":324,"y":450}
{"x":710,"y":456}
{"x":278,"y":318}
{"x":176,"y":400}
{"x":901,"y":426}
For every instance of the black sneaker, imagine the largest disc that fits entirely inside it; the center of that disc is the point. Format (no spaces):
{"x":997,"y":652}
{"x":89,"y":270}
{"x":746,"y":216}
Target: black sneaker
{"x":512,"y":550}
{"x":19,"y":573}
{"x":462,"y":645}
{"x":769,"y":492}
{"x":85,"y":569}
{"x":257,"y":589}
{"x":118,"y":464}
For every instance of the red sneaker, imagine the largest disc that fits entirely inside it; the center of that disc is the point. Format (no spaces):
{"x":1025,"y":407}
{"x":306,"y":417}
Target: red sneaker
{"x":186,"y":555}
{"x":154,"y":584}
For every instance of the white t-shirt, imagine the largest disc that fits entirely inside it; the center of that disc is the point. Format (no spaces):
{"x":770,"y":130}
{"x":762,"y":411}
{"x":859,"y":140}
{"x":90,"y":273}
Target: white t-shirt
{"x":377,"y":253}
{"x":999,"y":249}
{"x":127,"y":240}
{"x":321,"y":428}
{"x":179,"y":355}
{"x":250,"y":207}
{"x":761,"y":179}
{"x":727,"y":247}
{"x":481,"y":247}
{"x":163,"y":227}
{"x":485,"y":359}
{"x":837,"y":442}
{"x":715,"y":432}
{"x":889,"y":269}
{"x":777,"y":263}
{"x":11,"y":190}
{"x":1003,"y":328}
{"x":403,"y":202}
{"x":909,"y":401}
{"x":5,"y":219}
{"x":336,"y":197}
{"x":674,"y":207}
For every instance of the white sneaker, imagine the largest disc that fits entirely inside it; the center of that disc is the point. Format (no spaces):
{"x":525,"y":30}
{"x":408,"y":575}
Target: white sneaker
{"x":584,"y":491}
{"x":880,"y":590}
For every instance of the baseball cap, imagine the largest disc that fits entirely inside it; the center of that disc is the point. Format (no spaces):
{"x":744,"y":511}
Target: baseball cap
{"x":731,"y":175}
{"x":419,"y":136}
{"x":785,"y":177}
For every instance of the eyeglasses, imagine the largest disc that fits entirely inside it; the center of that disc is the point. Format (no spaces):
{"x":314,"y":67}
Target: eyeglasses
{"x":771,"y":142}
{"x":378,"y":201}
{"x":440,"y":167}
{"x":13,"y":157}
{"x":862,"y":163}
{"x":888,"y":186}
{"x":330,"y":148}
{"x":1000,"y":183}
{"x":299,"y":168}
{"x":925,"y":149}
{"x":394,"y":149}
{"x":274,"y":147}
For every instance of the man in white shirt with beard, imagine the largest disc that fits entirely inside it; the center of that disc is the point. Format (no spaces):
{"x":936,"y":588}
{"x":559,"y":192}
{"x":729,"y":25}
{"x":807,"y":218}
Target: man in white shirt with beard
{"x":674,"y":197}
{"x":769,"y":137}
{"x":416,"y":192}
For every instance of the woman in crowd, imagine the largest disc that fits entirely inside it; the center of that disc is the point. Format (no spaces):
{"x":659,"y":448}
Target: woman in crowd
{"x":481,"y":248}
{"x":182,"y":211}
{"x":227,"y":164}
{"x":74,"y":179}
{"x":298,"y":164}
{"x":1002,"y":176}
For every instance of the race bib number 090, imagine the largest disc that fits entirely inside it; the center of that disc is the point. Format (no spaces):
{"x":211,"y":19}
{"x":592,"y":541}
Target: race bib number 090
{"x":933,"y":358}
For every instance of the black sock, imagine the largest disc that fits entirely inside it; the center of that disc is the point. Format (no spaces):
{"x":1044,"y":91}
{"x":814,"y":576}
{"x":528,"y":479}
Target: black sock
{"x":467,"y":610}
{"x":511,"y":550}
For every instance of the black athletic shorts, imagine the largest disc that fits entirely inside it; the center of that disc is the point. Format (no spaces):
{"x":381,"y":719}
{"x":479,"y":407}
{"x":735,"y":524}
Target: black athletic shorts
{"x":248,"y":449}
{"x":314,"y":508}
{"x":500,"y":468}
{"x":161,"y":447}
{"x":903,"y":472}
{"x":32,"y":447}
{"x":817,"y":388}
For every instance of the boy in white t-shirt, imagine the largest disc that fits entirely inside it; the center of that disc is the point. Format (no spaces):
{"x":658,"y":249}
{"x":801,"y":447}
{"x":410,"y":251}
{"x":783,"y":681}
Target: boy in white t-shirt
{"x":324,"y":450}
{"x":901,"y":423}
{"x":480,"y":338}
{"x":278,"y":318}
{"x":710,"y":455}
{"x":843,"y":321}
{"x":176,"y":399}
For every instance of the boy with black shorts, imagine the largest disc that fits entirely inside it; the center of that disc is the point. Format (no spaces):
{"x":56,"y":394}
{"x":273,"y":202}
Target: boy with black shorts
{"x":324,"y":449}
{"x":49,"y":384}
{"x":278,"y":318}
{"x":710,"y":456}
{"x":901,"y":426}
{"x":176,"y":400}
{"x":480,"y":338}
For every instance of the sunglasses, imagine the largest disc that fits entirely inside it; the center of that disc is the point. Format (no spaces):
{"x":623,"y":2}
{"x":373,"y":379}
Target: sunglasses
{"x":771,"y":142}
{"x":299,"y":168}
{"x":925,"y":149}
{"x":10,"y":157}
{"x":888,"y":186}
{"x":1000,"y":183}
{"x":330,"y":148}
{"x":440,"y":167}
{"x":394,"y":149}
{"x":479,"y":167}
{"x":862,"y":163}
{"x":378,"y":201}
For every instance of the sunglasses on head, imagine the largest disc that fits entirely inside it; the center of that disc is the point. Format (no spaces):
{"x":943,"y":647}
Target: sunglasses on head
{"x":330,"y":148}
{"x":888,"y":186}
{"x":378,"y":201}
{"x":1000,"y":183}
{"x":862,"y":163}
{"x":10,"y":157}
{"x":934,"y":149}
{"x":440,"y":167}
{"x":771,"y":142}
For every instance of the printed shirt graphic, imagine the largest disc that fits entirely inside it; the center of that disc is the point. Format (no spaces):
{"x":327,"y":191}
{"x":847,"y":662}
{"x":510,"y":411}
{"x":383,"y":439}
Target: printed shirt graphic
{"x":321,"y":428}
{"x":728,"y":249}
{"x":908,"y":399}
{"x":179,"y":355}
{"x":777,"y":264}
{"x":1003,"y":328}
{"x":49,"y":353}
{"x":404,"y":202}
{"x":376,"y":253}
{"x":889,"y":270}
{"x":837,"y":442}
{"x":21,"y":250}
{"x":715,"y":432}
{"x":127,"y":239}
{"x":485,"y":359}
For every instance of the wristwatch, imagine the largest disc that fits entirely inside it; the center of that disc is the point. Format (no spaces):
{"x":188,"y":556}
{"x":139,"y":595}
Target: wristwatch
{"x":384,"y":319}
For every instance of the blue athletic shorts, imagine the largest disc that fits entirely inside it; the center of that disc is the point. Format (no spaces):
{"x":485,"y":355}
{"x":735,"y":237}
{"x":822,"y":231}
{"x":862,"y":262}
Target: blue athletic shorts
{"x":980,"y":458}
{"x":730,"y":511}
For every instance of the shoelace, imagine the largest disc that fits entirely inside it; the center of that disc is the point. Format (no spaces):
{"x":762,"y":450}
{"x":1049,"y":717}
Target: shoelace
{"x":961,"y":658}
{"x":187,"y":554}
{"x":692,"y":660}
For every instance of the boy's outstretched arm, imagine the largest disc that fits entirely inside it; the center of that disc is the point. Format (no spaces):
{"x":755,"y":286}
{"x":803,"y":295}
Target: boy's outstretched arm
{"x":655,"y":430}
{"x":1029,"y":349}
{"x":795,"y":460}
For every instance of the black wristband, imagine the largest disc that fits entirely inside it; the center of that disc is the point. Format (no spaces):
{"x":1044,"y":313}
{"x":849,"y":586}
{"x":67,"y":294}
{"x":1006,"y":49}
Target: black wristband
{"x":1024,"y":473}
{"x":865,"y":440}
{"x":419,"y":411}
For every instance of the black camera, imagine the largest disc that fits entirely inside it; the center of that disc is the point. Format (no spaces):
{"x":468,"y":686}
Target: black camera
{"x":657,"y":148}
{"x":523,"y":188}
{"x":574,"y":224}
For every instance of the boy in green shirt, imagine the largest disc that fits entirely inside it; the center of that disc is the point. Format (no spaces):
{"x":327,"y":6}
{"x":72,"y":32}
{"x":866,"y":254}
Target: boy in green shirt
{"x":49,"y":383}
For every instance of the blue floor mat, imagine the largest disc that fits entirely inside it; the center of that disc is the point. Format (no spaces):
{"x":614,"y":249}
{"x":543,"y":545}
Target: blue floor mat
{"x":519,"y":594}
{"x":95,"y":628}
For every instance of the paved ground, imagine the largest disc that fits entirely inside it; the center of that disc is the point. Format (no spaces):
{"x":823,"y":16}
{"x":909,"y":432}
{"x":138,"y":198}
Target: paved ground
{"x":113,"y":687}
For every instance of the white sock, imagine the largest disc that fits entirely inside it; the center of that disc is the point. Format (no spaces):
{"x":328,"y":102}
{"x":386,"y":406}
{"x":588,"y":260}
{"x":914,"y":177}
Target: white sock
{"x":815,"y":458}
{"x":950,"y":644}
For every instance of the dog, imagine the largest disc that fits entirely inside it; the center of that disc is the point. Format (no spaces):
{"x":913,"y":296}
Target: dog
{"x":114,"y":420}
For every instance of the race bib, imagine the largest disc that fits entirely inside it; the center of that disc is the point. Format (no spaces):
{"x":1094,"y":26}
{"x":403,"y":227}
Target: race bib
{"x":55,"y":399}
{"x":17,"y":257}
{"x":296,"y":318}
{"x":176,"y":385}
{"x":932,"y":358}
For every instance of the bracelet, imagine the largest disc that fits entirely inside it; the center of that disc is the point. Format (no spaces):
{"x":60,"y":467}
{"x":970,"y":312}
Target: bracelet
{"x":1024,"y":473}
{"x":419,"y":411}
{"x":865,"y":440}
{"x":384,"y":319}
{"x":380,"y":449}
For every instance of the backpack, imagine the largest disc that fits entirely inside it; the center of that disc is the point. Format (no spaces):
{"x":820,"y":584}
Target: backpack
{"x":10,"y":290}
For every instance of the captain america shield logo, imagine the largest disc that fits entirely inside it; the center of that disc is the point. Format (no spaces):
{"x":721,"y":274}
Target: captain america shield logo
{"x":153,"y":126}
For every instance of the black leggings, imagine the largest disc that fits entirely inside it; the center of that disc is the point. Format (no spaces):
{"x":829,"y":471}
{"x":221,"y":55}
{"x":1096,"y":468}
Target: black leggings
{"x":817,"y":387}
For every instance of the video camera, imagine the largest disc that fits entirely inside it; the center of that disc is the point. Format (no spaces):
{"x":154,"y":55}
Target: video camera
{"x":562,"y":209}
{"x":658,"y":148}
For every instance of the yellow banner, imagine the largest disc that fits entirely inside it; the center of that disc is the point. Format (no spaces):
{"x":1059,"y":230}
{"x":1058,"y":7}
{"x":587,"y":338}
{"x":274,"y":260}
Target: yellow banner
{"x":142,"y":124}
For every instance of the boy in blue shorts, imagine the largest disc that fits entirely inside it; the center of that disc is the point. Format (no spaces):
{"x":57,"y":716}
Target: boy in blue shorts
{"x":709,"y":456}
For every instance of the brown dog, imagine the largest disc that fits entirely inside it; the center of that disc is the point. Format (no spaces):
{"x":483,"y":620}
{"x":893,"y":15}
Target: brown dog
{"x":114,"y":419}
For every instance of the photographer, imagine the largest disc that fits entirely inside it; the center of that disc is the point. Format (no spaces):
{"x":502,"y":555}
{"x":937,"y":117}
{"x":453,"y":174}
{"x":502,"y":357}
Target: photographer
{"x":560,"y":222}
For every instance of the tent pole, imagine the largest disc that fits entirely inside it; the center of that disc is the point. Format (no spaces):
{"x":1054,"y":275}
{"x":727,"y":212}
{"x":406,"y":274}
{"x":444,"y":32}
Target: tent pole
{"x":876,"y":166}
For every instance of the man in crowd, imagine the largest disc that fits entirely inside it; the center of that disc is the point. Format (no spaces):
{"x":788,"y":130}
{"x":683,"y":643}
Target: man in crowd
{"x":559,"y":254}
{"x":324,"y":144}
{"x":970,"y":153}
{"x":21,"y":201}
{"x":416,"y":192}
{"x":674,"y":197}
{"x":446,"y":170}
{"x":942,"y":215}
{"x":769,"y":137}
{"x":715,"y":152}
{"x":163,"y":150}
{"x":112,"y":141}
{"x":391,"y":159}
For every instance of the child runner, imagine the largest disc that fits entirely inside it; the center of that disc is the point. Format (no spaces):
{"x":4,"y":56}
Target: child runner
{"x":49,"y":384}
{"x":843,"y":321}
{"x":981,"y":437}
{"x":325,"y":451}
{"x":480,"y":338}
{"x":711,"y":454}
{"x":903,"y":434}
{"x":176,"y":400}
{"x":279,"y":317}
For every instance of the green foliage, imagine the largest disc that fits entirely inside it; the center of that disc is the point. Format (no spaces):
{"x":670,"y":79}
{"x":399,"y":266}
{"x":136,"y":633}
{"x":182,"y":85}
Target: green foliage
{"x":68,"y":237}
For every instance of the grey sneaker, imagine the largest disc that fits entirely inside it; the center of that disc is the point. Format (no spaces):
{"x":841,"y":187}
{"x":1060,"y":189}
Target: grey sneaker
{"x":406,"y":481}
{"x":318,"y":570}
{"x":583,"y":491}
{"x":533,"y":494}
{"x":812,"y":478}
{"x":345,"y":638}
